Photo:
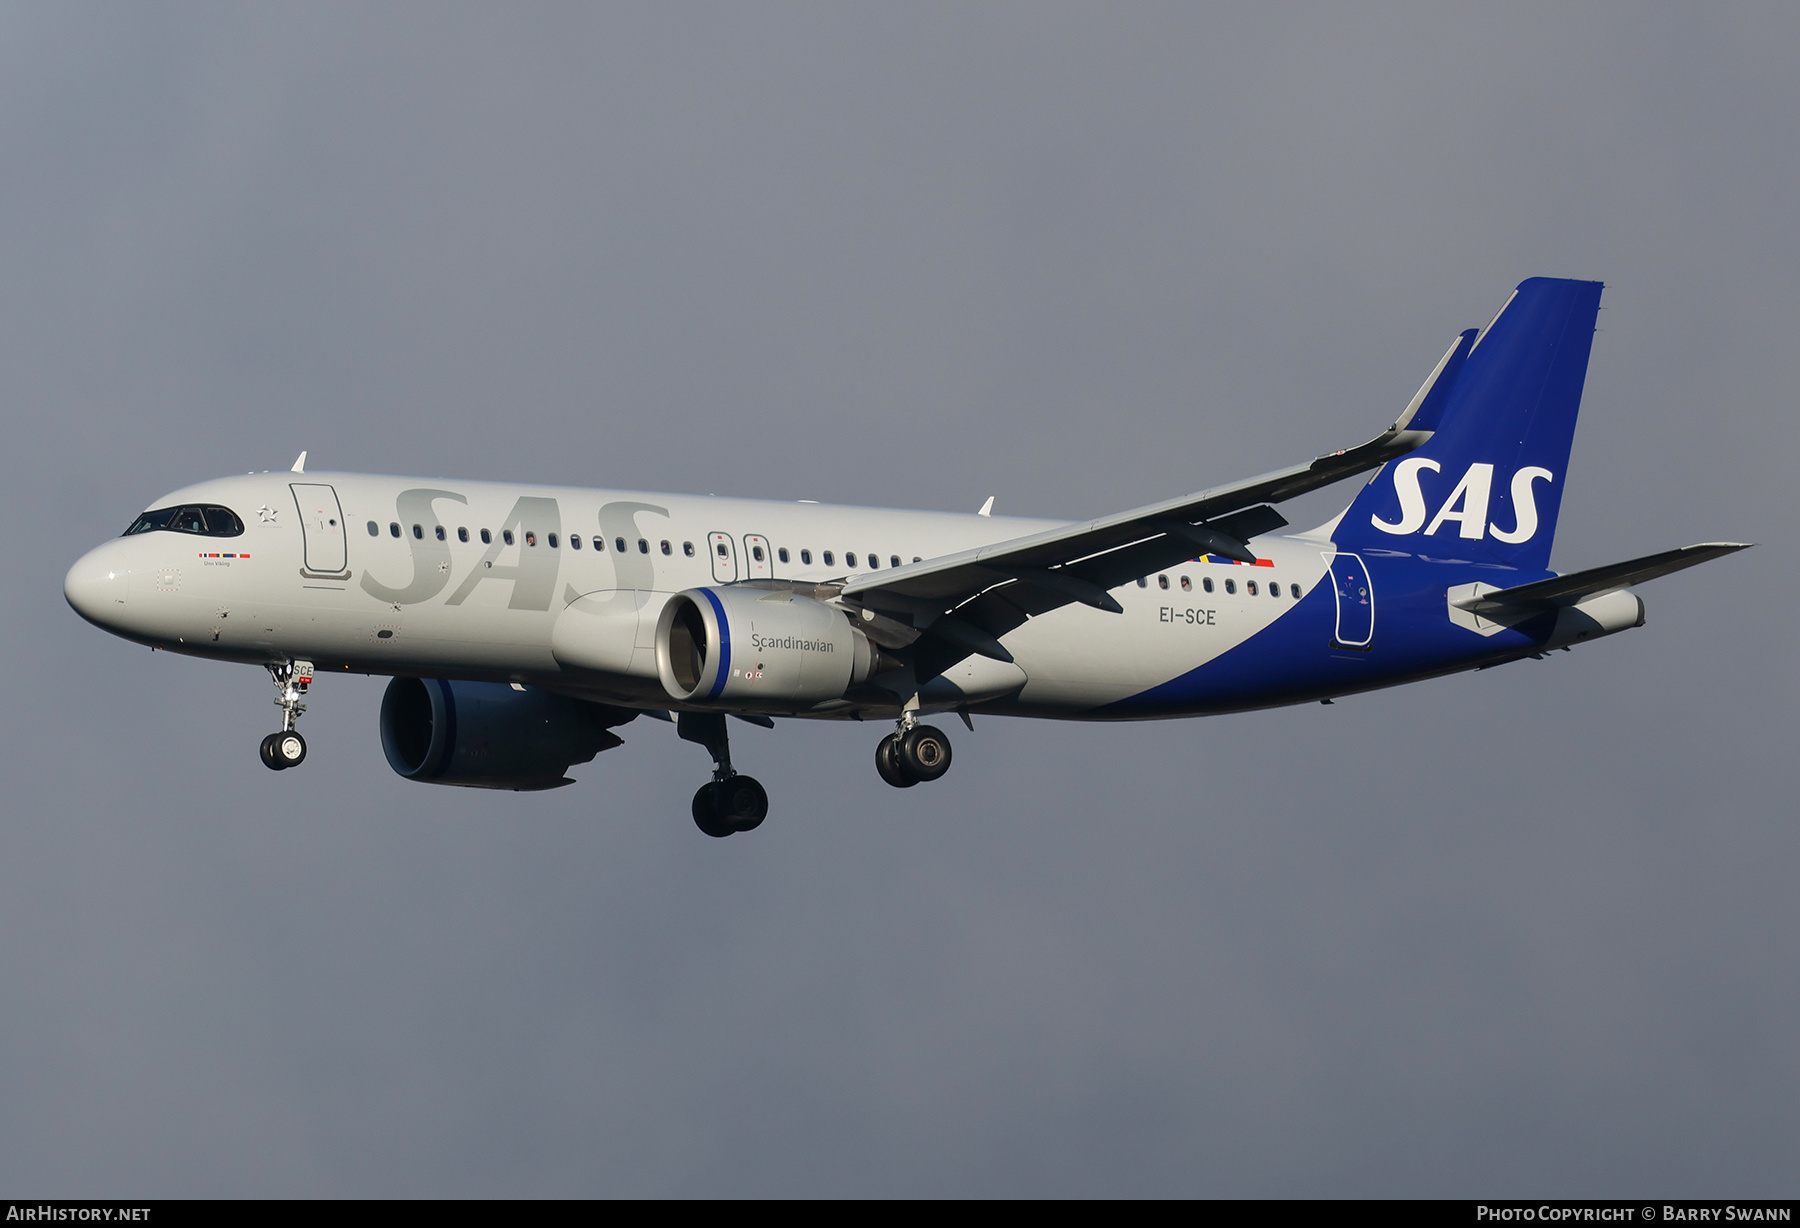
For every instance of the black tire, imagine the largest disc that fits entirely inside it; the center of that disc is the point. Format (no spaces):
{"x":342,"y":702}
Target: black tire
{"x":924,"y":752}
{"x":887,"y":762}
{"x":269,"y":758}
{"x":289,"y":748}
{"x":706,"y":812}
{"x":743,"y":803}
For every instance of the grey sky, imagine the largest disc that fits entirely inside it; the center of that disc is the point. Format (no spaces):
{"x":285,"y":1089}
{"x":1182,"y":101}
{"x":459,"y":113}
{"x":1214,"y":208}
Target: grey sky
{"x":1530,"y":931}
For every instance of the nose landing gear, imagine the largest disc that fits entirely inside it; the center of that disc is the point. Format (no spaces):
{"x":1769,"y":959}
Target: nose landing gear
{"x":729,"y":802}
{"x":288,"y":749}
{"x":912,"y":754}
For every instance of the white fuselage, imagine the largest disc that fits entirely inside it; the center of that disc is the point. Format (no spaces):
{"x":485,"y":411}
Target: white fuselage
{"x":461,"y":579}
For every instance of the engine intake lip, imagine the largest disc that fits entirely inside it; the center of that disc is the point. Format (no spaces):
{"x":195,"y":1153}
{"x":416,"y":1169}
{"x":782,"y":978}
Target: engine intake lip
{"x":418,"y":726}
{"x":693,"y":646}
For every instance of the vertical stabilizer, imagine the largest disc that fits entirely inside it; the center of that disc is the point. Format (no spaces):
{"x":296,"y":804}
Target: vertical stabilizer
{"x":1489,"y":482}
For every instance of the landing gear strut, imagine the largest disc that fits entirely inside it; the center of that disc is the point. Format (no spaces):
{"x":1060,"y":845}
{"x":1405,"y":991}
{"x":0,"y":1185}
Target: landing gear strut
{"x":728,"y":802}
{"x":912,"y":754}
{"x":288,"y":749}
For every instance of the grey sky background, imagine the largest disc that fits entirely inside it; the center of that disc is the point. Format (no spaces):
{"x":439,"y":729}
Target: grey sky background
{"x":1530,"y":932}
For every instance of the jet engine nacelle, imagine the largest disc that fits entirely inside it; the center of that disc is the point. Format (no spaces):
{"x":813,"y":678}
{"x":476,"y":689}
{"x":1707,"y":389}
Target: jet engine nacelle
{"x":757,"y":646}
{"x":488,"y":735}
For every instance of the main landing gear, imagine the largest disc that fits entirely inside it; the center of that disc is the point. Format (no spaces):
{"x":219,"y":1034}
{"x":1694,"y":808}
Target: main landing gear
{"x":728,"y":802}
{"x":913,"y":753}
{"x":288,"y":749}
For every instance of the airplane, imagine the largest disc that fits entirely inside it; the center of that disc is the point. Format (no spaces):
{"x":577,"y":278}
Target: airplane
{"x":522,"y":625}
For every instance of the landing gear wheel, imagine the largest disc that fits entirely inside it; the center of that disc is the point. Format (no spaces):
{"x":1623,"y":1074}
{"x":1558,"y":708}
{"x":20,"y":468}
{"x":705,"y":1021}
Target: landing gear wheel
{"x":924,"y":752}
{"x":283,"y":750}
{"x":737,"y":803}
{"x":706,"y":812}
{"x":887,"y":762}
{"x":743,"y":802}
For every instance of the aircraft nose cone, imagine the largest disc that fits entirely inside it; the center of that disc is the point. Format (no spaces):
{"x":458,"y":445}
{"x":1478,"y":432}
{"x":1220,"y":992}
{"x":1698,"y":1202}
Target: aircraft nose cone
{"x":95,"y":586}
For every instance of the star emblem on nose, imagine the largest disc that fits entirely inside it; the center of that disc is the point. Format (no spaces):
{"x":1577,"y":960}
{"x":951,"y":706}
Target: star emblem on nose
{"x":266,"y":514}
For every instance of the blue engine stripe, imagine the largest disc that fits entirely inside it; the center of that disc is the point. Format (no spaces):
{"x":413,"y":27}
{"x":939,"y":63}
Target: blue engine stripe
{"x":724,"y":645}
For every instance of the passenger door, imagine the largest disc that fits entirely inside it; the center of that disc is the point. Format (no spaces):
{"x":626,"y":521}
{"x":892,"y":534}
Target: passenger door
{"x":757,"y":563}
{"x":1355,"y":602}
{"x":723,"y":552}
{"x":322,"y":527}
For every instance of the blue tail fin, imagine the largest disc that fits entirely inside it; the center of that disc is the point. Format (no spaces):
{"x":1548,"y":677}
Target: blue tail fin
{"x":1489,"y":482}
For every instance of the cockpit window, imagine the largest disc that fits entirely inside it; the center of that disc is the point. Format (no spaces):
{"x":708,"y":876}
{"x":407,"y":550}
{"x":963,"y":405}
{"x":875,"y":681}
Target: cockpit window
{"x":152,"y":520}
{"x":206,"y":521}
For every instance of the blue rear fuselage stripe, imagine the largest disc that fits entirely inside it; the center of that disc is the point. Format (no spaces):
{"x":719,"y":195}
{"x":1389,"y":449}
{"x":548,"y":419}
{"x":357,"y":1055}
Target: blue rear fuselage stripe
{"x":718,"y":685}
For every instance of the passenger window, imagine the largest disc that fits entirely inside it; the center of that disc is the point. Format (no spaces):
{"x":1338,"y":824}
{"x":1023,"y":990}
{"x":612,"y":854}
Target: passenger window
{"x":486,"y":537}
{"x":723,"y":552}
{"x":1143,"y":582}
{"x":1230,"y":585}
{"x":530,"y":538}
{"x":440,"y":532}
{"x":781,"y":553}
{"x":806,"y":557}
{"x":849,"y":558}
{"x":874,"y":561}
{"x":687,"y":548}
{"x":667,"y":548}
{"x":1187,"y":585}
{"x":1250,"y":587}
{"x":619,"y":544}
{"x":827,"y":556}
{"x":1162,"y":582}
{"x":393,"y":529}
{"x":462,"y":534}
{"x":755,"y":551}
{"x":1206,"y":583}
{"x":574,"y":541}
{"x":600,"y":545}
{"x":418,"y":533}
{"x":374,"y":529}
{"x":550,"y":540}
{"x":506,"y":536}
{"x":917,"y":559}
{"x":894,"y":560}
{"x":1274,"y":590}
{"x":643,"y":546}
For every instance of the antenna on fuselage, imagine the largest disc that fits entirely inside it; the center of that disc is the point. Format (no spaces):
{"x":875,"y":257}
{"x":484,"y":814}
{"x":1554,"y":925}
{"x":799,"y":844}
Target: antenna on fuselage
{"x":987,"y":509}
{"x":300,"y":464}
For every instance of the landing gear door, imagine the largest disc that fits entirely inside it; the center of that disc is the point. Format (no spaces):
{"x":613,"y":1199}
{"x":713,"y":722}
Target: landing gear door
{"x":757,"y":564}
{"x":322,"y":526}
{"x":723,"y":552}
{"x":1355,"y":602}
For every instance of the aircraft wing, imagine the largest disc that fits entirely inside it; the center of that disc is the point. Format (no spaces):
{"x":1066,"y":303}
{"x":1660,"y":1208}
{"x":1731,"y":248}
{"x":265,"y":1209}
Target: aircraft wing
{"x":1580,"y":585}
{"x":942,"y":610}
{"x":949,"y":607}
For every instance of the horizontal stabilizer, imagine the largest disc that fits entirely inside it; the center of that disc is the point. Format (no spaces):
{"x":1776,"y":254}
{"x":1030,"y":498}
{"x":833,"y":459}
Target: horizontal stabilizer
{"x":1581,"y":585}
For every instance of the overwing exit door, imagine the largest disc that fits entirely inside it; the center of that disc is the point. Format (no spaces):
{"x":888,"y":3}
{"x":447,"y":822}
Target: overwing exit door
{"x":757,"y":564}
{"x":723,"y":552}
{"x":1355,"y":602}
{"x":322,"y":528}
